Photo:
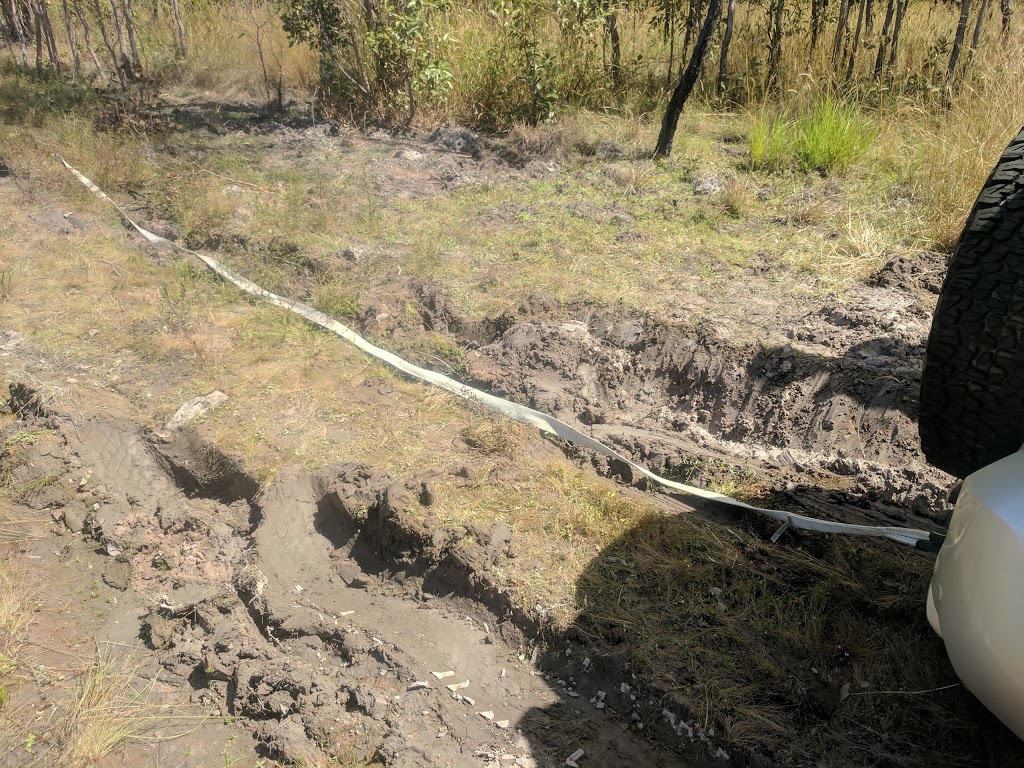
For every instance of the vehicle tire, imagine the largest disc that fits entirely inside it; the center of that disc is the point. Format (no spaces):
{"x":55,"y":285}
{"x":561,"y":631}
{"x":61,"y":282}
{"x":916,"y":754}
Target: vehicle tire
{"x":972,"y":387}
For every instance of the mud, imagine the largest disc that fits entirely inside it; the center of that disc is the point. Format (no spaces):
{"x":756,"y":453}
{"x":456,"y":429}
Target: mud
{"x":317,"y":611}
{"x":831,"y":403}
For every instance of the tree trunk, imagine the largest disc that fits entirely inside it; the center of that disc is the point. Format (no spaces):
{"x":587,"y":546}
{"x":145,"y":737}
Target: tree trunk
{"x":44,"y":34}
{"x":1006,"y":6}
{"x":39,"y":42}
{"x":17,"y":30}
{"x":129,"y":25}
{"x":176,"y":12}
{"x":613,"y":37}
{"x":901,"y":10}
{"x":856,"y":40}
{"x":776,"y":10}
{"x":869,"y":17}
{"x":976,"y":38}
{"x":88,"y":38}
{"x":958,"y":45}
{"x":723,"y":58}
{"x":841,"y":30}
{"x":816,"y":10}
{"x":883,"y":41}
{"x":72,"y":39}
{"x":109,"y":45}
{"x":689,"y":79}
{"x":370,"y":12}
{"x":126,"y":65}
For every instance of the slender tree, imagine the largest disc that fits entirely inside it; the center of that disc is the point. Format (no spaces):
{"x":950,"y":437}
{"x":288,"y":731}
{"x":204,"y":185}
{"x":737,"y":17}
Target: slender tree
{"x":883,"y":41}
{"x":72,"y":39}
{"x":129,"y":26}
{"x":842,"y":28}
{"x":976,"y":37}
{"x":612,"y":23}
{"x":856,"y":40}
{"x":901,"y":9}
{"x":723,"y":58}
{"x":117,"y":63}
{"x":958,"y":45}
{"x":176,"y":13}
{"x":126,"y":64}
{"x":1006,"y":7}
{"x":817,"y":12}
{"x":87,"y":38}
{"x":775,"y":31}
{"x":688,"y":80}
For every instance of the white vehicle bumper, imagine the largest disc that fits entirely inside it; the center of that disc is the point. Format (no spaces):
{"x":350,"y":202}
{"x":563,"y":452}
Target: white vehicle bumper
{"x":976,"y":597}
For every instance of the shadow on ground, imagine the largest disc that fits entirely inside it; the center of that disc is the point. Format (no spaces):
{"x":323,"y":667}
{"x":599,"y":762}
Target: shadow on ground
{"x":713,"y":641}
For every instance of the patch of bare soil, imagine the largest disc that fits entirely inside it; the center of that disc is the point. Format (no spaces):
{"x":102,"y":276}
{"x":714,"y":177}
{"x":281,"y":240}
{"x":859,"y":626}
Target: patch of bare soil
{"x":329,"y":613}
{"x":831,"y":405}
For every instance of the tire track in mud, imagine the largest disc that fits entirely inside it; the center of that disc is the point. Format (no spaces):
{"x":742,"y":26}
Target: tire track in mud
{"x":314,"y":610}
{"x":829,"y":408}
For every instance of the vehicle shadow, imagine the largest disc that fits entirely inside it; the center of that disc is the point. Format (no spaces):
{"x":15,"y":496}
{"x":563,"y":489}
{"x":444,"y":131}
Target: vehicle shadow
{"x":707,"y":641}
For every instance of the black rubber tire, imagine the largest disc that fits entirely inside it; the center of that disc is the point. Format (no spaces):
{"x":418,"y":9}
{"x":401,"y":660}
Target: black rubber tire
{"x":972,"y":387}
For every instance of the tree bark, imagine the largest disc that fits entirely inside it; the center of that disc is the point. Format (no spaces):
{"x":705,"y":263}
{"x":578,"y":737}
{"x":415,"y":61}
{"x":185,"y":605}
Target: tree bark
{"x":776,"y":10}
{"x":109,"y":45}
{"x":88,"y":38}
{"x":72,"y":39}
{"x":723,"y":68}
{"x":613,"y":37}
{"x":126,"y":65}
{"x":670,"y":32}
{"x":856,"y":40}
{"x":841,"y":30}
{"x":44,"y":34}
{"x":976,"y":37}
{"x":129,"y":25}
{"x":958,"y":44}
{"x":17,"y":30}
{"x":901,"y":9}
{"x":176,"y":12}
{"x":883,"y":42}
{"x":816,"y":9}
{"x":1006,"y":7}
{"x":689,"y":79}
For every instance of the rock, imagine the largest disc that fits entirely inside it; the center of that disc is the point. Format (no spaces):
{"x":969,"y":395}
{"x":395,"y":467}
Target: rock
{"x":193,"y":409}
{"x":118,"y":574}
{"x":708,"y":185}
{"x":75,"y":518}
{"x":500,"y":536}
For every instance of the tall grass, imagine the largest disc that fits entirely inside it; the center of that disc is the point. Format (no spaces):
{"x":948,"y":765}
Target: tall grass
{"x":828,"y":139}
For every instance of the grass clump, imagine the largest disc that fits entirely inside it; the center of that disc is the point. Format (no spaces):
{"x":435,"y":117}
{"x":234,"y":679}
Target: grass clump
{"x":829,"y":139}
{"x":107,"y":711}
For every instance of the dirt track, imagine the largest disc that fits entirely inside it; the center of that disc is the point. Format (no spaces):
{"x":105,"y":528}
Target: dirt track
{"x":309,"y":609}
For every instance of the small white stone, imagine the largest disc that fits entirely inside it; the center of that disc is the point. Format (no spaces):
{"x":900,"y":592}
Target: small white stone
{"x":486,"y":715}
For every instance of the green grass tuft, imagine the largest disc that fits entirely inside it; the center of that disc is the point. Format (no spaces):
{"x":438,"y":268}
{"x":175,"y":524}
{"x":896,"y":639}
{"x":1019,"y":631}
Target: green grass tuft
{"x":829,"y":139}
